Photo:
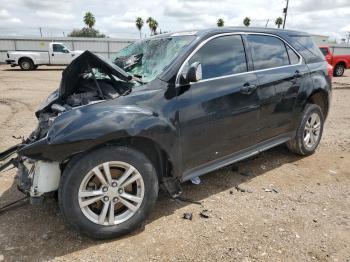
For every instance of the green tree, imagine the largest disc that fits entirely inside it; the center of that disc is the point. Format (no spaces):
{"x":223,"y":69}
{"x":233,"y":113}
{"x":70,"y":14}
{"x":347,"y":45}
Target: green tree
{"x":220,"y":22}
{"x":154,"y":26}
{"x":279,"y":22}
{"x":89,"y":19}
{"x":88,"y":31}
{"x":246,"y":21}
{"x":139,"y":24}
{"x":149,"y":21}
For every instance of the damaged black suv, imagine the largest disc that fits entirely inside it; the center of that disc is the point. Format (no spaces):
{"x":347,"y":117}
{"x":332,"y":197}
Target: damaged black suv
{"x":167,"y":109}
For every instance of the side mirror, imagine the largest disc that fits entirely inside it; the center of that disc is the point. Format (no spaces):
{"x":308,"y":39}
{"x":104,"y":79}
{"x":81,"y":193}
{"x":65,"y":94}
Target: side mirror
{"x":65,"y":50}
{"x":194,"y":73}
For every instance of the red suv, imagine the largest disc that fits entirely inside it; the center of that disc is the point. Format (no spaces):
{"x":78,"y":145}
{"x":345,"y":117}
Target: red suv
{"x":339,"y":62}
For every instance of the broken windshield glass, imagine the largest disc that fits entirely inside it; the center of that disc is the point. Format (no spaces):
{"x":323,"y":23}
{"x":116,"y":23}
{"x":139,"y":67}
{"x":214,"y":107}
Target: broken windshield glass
{"x":146,"y":59}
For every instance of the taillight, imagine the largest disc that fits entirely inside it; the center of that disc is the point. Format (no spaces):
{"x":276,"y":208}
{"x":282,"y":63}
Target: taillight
{"x":330,"y":71}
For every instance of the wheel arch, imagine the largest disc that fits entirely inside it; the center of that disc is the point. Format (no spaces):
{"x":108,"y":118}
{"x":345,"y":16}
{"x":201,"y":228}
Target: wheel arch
{"x":319,"y":97}
{"x":25,"y":57}
{"x":151,"y":149}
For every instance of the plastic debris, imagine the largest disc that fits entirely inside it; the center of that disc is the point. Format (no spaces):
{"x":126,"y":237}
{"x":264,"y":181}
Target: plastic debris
{"x":187,"y":216}
{"x":196,"y":180}
{"x":204,"y":213}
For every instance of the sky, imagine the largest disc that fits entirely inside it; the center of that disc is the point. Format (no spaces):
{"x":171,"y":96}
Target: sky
{"x":117,"y":18}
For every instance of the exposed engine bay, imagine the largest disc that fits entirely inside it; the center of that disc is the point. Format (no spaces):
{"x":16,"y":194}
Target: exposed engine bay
{"x":88,"y":79}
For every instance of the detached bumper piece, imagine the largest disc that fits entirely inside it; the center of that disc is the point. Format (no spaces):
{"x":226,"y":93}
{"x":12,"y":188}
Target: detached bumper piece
{"x":34,"y":178}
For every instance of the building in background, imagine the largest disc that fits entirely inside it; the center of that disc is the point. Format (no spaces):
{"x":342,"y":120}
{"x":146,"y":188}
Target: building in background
{"x":106,"y":47}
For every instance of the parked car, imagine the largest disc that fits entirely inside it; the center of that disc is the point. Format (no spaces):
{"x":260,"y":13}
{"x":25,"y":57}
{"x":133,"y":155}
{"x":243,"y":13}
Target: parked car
{"x":58,"y":54}
{"x":339,"y":62}
{"x":182,"y":105}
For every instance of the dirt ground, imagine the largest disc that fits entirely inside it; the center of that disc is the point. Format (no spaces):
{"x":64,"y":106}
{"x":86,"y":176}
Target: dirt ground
{"x":305,"y":217}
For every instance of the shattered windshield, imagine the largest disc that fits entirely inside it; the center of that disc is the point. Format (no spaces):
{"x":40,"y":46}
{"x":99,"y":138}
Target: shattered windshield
{"x":146,"y":59}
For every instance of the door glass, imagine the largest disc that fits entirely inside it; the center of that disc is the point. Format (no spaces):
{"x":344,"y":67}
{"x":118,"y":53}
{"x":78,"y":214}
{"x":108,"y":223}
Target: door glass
{"x":293,"y":57}
{"x":324,"y":51}
{"x":58,"y":48}
{"x":267,"y":51}
{"x":221,"y":56}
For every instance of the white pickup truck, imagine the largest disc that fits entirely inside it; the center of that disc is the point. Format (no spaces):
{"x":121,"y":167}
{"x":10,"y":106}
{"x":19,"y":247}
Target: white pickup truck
{"x":58,"y":54}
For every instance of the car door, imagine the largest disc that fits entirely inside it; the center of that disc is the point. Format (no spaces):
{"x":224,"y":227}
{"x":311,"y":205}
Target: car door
{"x":280,"y":75}
{"x":60,"y":55}
{"x":219,"y":113}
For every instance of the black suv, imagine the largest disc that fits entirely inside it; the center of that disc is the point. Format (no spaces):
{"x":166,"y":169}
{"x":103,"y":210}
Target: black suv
{"x":167,"y":109}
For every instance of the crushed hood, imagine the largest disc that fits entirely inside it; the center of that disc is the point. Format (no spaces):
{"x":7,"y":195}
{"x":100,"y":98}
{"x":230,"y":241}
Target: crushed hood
{"x":72,"y":73}
{"x":82,"y":64}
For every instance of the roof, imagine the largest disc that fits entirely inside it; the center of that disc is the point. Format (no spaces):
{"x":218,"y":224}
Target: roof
{"x":218,"y":30}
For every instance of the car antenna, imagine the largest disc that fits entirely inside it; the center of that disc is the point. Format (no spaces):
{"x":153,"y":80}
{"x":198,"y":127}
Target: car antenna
{"x":98,"y":86}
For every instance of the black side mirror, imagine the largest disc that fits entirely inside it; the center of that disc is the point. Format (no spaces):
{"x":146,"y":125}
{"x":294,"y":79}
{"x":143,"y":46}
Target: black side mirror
{"x":194,"y":73}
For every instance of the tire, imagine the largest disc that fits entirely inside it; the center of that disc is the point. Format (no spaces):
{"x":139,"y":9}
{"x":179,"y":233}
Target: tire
{"x":26,"y":64}
{"x":76,"y":175}
{"x":298,"y":144}
{"x":339,"y":70}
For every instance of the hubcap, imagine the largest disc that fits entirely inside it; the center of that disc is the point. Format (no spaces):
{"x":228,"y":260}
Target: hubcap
{"x":111,"y":193}
{"x":25,"y":65}
{"x":312,"y":130}
{"x":340,"y":70}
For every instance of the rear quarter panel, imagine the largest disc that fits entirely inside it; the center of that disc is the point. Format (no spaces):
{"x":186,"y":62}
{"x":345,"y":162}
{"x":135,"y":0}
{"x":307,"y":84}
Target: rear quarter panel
{"x":318,"y":81}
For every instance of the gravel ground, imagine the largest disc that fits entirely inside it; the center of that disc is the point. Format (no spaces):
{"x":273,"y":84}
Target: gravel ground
{"x":293,"y":208}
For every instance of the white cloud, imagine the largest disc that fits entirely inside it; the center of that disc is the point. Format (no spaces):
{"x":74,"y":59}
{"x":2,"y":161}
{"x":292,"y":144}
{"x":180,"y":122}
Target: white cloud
{"x":7,"y":18}
{"x":117,"y":18}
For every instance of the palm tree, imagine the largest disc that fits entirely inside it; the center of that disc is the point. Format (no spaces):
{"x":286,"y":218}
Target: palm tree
{"x":220,"y":22}
{"x":279,"y":21}
{"x":246,"y":21}
{"x":153,"y":25}
{"x":89,"y":19}
{"x":139,"y":24}
{"x":149,"y":22}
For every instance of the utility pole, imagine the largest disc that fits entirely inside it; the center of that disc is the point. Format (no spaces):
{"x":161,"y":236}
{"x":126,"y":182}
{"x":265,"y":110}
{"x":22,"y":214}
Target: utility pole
{"x":41,"y":34}
{"x":267,"y":22}
{"x":285,"y":11}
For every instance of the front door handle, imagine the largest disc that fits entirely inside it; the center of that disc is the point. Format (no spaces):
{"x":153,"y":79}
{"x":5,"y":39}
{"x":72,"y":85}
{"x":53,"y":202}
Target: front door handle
{"x":53,"y":54}
{"x":248,"y":88}
{"x":297,"y":74}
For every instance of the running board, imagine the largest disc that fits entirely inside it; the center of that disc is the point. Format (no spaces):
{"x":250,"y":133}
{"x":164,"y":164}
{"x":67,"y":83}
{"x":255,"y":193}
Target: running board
{"x":235,"y":157}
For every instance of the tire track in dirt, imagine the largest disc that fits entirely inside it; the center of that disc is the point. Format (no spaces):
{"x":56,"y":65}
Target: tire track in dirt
{"x":16,"y":106}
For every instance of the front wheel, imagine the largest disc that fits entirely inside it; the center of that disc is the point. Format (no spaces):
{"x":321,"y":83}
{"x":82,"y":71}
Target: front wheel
{"x":309,"y":132}
{"x":108,"y":192}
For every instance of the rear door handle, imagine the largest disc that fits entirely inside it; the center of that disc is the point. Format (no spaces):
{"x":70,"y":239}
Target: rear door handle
{"x":248,"y":88}
{"x":297,"y":74}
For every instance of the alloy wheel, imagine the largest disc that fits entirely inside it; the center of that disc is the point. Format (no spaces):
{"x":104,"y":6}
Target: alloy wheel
{"x":312,"y":130}
{"x":111,"y":193}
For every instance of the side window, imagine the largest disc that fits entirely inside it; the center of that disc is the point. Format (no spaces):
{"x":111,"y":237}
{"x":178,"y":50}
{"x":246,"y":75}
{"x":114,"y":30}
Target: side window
{"x":324,"y":51}
{"x":58,"y":48}
{"x":293,"y":57}
{"x":307,"y":48}
{"x":267,"y":51}
{"x":221,"y":56}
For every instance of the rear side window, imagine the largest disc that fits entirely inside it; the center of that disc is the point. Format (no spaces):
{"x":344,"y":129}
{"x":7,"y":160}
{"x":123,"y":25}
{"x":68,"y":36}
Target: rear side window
{"x":293,"y":57}
{"x":267,"y":51}
{"x":307,"y":48}
{"x":221,"y":56}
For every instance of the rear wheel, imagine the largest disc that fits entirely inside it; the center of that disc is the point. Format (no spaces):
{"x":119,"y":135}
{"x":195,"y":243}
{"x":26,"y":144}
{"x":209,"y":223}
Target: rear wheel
{"x":26,"y":64}
{"x":309,"y":132}
{"x":339,"y":70}
{"x":108,"y":192}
